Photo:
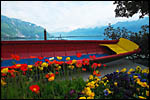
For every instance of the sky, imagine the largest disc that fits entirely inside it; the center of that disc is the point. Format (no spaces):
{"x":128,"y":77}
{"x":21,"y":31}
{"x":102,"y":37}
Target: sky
{"x":64,"y":16}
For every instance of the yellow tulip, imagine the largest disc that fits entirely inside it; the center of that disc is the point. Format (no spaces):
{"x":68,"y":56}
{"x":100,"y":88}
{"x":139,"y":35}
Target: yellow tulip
{"x":44,"y":64}
{"x":82,"y":98}
{"x":51,"y":78}
{"x":68,"y":58}
{"x":41,"y":68}
{"x":3,"y":82}
{"x":90,"y":97}
{"x":59,"y":67}
{"x":74,"y":61}
{"x":30,"y":66}
{"x":18,"y":65}
{"x":71,"y":66}
{"x":59,"y":58}
{"x":4,"y":70}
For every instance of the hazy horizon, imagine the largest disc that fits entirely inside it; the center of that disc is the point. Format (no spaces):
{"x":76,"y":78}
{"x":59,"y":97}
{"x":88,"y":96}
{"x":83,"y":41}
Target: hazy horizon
{"x":64,"y":16}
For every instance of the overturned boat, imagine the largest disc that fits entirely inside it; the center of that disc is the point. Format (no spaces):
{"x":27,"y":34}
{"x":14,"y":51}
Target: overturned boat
{"x":104,"y":50}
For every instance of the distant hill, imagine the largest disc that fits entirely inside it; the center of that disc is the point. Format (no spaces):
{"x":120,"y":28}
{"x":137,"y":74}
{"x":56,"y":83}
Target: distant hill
{"x":133,"y":26}
{"x":11,"y":27}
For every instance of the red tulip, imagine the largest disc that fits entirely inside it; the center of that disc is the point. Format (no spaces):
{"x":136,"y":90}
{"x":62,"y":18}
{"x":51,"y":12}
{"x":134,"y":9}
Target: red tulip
{"x":104,"y":65}
{"x":92,"y":57}
{"x":79,"y":55}
{"x":40,"y":58}
{"x":32,"y":56}
{"x":97,"y":73}
{"x":56,"y":73}
{"x":16,"y":57}
{"x":46,"y":60}
{"x":35,"y":88}
{"x":99,"y":65}
{"x":94,"y":65}
{"x":84,"y":69}
{"x":85,"y":61}
{"x":79,"y":64}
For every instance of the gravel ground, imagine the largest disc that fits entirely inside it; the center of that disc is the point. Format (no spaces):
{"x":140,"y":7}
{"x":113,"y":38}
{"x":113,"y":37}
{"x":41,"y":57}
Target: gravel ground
{"x":113,"y":66}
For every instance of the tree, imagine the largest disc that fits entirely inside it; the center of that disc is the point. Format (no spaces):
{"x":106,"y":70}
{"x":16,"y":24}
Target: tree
{"x":142,"y":39}
{"x":129,"y":8}
{"x":116,"y":33}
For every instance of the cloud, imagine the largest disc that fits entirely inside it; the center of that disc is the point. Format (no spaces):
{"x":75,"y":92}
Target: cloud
{"x":64,"y":16}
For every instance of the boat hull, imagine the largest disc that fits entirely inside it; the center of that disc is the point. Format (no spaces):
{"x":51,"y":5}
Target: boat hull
{"x":54,"y":48}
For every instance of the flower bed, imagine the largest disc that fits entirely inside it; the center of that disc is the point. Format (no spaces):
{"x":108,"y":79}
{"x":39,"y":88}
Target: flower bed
{"x":132,"y":84}
{"x":49,"y":79}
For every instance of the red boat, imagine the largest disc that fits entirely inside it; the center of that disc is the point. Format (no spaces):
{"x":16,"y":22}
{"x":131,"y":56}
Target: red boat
{"x":114,"y":49}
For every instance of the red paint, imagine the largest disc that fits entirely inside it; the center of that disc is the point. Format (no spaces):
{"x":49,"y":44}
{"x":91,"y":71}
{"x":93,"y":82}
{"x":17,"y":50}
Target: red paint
{"x":50,"y":48}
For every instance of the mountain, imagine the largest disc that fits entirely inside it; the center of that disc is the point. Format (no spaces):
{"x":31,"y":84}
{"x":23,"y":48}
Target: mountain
{"x":11,"y":27}
{"x":133,"y":26}
{"x":15,"y":28}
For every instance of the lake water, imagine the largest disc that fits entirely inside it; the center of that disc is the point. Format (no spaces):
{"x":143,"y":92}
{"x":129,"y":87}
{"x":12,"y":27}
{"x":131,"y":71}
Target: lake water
{"x":79,"y":38}
{"x":58,"y":38}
